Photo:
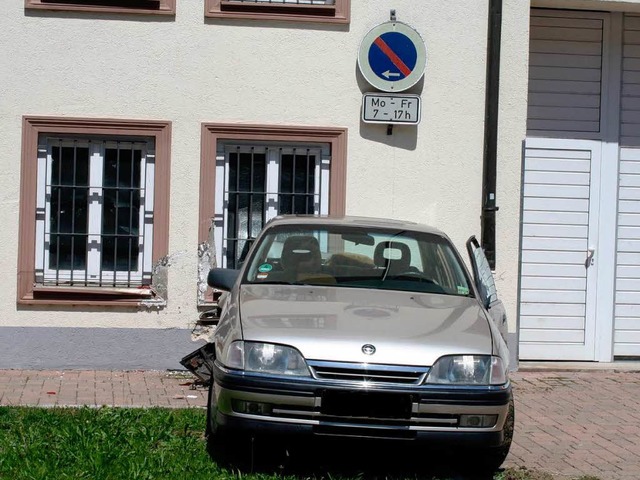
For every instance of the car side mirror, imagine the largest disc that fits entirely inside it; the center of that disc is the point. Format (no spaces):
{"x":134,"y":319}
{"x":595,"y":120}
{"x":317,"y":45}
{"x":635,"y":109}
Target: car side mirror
{"x":222,"y":278}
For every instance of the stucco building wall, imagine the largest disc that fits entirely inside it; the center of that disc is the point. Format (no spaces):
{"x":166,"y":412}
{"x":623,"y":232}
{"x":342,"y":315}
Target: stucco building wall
{"x":190,"y":70}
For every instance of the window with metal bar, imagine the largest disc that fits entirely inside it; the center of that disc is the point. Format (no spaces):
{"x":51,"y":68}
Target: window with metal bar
{"x":94,"y":218}
{"x":261,"y":181}
{"x":161,"y":7}
{"x":297,"y":2}
{"x":331,"y":11}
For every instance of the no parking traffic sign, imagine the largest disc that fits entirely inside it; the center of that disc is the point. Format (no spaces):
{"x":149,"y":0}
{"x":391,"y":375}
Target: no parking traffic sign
{"x":392,"y":57}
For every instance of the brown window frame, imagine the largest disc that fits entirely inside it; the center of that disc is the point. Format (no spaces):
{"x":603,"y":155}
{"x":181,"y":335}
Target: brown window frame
{"x":28,"y":293}
{"x":212,"y":133}
{"x":337,"y":13}
{"x":165,"y":7}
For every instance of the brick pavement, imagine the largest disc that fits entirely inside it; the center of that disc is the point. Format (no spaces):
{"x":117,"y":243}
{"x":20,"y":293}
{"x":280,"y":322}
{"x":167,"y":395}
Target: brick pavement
{"x":568,"y":423}
{"x":573,"y":423}
{"x":98,"y":388}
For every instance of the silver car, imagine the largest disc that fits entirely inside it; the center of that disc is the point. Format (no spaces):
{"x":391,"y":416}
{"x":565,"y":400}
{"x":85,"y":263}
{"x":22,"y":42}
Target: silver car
{"x":365,"y":328}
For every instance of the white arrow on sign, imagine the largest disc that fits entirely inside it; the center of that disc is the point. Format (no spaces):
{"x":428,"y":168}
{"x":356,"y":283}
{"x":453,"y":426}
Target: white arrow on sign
{"x":389,"y":74}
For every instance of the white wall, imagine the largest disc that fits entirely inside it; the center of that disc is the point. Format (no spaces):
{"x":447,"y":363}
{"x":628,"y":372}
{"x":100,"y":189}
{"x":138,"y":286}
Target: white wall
{"x":511,"y":133}
{"x":189,"y":70}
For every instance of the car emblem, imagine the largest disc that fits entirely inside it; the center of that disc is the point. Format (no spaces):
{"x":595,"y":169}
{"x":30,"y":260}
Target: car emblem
{"x":368,"y":349}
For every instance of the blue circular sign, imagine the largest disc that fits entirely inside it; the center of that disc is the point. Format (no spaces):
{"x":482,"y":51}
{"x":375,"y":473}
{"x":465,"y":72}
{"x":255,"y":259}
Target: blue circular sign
{"x":392,"y":57}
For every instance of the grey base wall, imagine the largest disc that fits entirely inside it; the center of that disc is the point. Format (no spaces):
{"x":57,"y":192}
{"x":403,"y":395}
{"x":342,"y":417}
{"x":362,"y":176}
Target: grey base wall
{"x":41,"y":348}
{"x":44,"y":348}
{"x":512,"y":343}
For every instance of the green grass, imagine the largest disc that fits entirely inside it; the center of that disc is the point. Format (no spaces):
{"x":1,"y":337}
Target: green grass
{"x":118,"y":443}
{"x":107,"y":443}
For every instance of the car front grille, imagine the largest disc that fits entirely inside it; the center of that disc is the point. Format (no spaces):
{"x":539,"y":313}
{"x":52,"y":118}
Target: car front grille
{"x":368,"y":373}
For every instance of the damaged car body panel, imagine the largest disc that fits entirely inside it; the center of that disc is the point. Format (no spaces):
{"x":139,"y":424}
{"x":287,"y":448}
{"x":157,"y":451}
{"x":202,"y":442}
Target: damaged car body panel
{"x":361,"y":328}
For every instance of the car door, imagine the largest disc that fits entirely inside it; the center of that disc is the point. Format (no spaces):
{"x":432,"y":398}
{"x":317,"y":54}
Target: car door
{"x":486,"y":285}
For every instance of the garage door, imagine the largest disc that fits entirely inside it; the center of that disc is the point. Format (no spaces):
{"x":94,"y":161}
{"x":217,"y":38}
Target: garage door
{"x":561,"y":186}
{"x":557,"y":306}
{"x":627,"y":300}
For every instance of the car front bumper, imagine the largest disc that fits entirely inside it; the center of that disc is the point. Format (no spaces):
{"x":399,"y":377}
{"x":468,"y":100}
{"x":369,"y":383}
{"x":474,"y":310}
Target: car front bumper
{"x":308,"y":406}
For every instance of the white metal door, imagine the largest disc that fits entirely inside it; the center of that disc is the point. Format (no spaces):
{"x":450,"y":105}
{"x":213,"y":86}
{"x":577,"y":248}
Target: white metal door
{"x":567,"y":120}
{"x":627,"y":296}
{"x":559,"y":249}
{"x":627,"y":310}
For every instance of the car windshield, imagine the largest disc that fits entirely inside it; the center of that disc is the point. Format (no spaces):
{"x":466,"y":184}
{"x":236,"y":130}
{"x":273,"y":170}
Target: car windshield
{"x":357,"y":257}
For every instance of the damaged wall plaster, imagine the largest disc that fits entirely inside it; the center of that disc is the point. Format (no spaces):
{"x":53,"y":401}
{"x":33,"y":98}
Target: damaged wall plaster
{"x":203,"y":330}
{"x":159,"y":283}
{"x":206,"y":261}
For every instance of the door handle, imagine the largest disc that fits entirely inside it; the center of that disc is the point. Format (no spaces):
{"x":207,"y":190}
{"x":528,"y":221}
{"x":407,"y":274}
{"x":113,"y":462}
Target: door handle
{"x":591,"y":253}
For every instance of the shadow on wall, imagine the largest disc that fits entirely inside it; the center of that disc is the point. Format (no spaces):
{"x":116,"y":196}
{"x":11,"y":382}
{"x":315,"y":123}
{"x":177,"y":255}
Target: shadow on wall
{"x":402,"y":136}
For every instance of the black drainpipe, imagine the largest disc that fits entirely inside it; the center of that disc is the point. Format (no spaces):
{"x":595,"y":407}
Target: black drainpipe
{"x":489,"y":208}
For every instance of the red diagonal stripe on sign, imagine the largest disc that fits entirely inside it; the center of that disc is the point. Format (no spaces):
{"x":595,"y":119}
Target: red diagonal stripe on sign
{"x":395,"y":59}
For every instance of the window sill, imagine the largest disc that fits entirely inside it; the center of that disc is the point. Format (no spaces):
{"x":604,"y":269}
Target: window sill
{"x":264,"y":11}
{"x":92,"y":296}
{"x":165,"y":7}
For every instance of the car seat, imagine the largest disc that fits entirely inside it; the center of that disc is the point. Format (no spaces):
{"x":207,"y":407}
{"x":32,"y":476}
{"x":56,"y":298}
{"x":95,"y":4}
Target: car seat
{"x":302,"y":261}
{"x":393,"y":266}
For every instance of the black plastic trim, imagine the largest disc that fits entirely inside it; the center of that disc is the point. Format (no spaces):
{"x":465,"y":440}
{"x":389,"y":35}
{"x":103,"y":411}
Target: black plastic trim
{"x":308,"y":386}
{"x":258,"y":427}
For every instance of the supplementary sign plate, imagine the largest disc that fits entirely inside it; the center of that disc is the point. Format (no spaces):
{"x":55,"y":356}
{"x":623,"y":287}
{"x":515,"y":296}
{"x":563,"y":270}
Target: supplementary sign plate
{"x":402,"y":109}
{"x":392,"y":57}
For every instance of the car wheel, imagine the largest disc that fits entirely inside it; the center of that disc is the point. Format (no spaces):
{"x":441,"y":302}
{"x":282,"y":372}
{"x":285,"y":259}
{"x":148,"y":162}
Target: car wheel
{"x":245,"y":453}
{"x":490,"y":459}
{"x":222,"y":447}
{"x":230,"y":450}
{"x":207,"y":428}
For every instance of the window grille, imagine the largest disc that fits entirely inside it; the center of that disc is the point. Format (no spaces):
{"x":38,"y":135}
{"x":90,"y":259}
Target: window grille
{"x":323,"y":11}
{"x":295,"y":2}
{"x":257,"y":183}
{"x":94,"y":217}
{"x":154,"y":7}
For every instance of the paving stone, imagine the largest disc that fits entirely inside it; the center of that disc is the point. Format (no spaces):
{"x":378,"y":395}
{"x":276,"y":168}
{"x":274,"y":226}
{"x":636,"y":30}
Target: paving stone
{"x":567,"y":423}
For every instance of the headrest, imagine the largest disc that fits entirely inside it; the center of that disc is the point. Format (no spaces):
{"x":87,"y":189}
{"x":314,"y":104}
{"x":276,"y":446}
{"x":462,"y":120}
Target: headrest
{"x":386,"y":252}
{"x":299,"y":249}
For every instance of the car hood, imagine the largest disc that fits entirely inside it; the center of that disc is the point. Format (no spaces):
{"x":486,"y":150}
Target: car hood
{"x":333,"y":323}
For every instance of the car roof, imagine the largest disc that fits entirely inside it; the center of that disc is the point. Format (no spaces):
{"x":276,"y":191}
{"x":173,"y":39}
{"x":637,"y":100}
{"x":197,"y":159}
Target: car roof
{"x":355,"y":221}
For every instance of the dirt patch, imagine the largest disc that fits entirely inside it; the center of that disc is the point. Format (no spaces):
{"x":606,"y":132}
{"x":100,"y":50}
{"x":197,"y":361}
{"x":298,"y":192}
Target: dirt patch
{"x":523,"y":473}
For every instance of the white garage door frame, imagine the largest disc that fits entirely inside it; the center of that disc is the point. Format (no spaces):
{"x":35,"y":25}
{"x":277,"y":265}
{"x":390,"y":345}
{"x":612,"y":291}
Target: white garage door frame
{"x":560,"y":223}
{"x":600,"y":307}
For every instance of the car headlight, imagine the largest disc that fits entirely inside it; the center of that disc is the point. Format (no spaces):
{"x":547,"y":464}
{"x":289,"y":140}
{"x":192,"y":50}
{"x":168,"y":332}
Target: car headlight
{"x":266,"y":358}
{"x":468,"y":370}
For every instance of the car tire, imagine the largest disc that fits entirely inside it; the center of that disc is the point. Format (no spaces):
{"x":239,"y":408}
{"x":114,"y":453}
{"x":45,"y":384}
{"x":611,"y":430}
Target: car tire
{"x":490,"y":459}
{"x":226,"y":448}
{"x":231,"y":449}
{"x":220,"y":445}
